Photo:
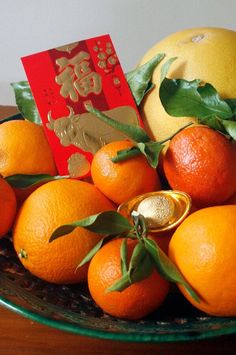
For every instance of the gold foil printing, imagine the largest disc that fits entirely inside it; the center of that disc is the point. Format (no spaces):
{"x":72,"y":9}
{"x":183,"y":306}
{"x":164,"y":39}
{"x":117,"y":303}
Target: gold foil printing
{"x":163,"y":210}
{"x":86,"y":131}
{"x":76,"y":78}
{"x":68,"y":47}
{"x":78,"y":165}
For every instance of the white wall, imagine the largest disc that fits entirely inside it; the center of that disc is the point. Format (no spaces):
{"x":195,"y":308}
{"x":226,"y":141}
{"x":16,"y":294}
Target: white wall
{"x":28,"y":26}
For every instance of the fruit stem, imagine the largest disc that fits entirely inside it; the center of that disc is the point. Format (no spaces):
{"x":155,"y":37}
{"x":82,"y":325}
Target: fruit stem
{"x":22,"y":254}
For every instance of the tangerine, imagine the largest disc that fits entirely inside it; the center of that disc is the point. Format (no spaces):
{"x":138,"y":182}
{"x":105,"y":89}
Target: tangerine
{"x":123,"y":180}
{"x":203,"y":248}
{"x":51,"y":205}
{"x":7,"y":207}
{"x":136,"y":301}
{"x":202,"y":162}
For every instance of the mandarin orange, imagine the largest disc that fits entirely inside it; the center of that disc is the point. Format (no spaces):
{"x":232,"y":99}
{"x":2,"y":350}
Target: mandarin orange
{"x":136,"y":301}
{"x":202,"y":162}
{"x":124,"y":180}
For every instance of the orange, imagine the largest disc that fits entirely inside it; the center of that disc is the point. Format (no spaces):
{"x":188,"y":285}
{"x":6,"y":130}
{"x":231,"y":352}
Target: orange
{"x":124,"y":180}
{"x":7,"y":207}
{"x":51,"y":205}
{"x":136,"y":301}
{"x":202,"y":162}
{"x":208,"y":54}
{"x":203,"y":248}
{"x":24,"y":149}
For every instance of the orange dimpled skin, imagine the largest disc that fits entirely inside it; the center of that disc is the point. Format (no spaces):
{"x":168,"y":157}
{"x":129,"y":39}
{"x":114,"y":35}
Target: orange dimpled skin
{"x":202,"y":162}
{"x":203,"y":248}
{"x":7,"y":207}
{"x":50,"y":206}
{"x":123,"y":180}
{"x":136,"y":301}
{"x":24,"y":149}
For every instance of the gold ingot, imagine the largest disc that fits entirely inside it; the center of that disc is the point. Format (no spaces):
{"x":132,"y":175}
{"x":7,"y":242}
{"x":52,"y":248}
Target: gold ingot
{"x":163,"y":210}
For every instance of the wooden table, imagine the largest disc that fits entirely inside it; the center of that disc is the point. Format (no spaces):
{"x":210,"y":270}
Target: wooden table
{"x":21,"y":336}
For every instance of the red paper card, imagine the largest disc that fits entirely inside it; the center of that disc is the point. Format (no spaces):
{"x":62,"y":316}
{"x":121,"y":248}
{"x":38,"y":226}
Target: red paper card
{"x":62,"y":81}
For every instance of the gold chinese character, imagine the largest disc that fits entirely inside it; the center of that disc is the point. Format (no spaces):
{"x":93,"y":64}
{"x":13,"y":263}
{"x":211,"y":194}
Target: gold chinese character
{"x":76,"y":77}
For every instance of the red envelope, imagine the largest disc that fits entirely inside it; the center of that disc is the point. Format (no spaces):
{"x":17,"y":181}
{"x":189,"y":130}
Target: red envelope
{"x":62,"y":81}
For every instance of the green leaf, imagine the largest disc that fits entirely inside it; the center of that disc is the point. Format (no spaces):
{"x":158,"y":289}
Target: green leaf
{"x":140,"y":267}
{"x":25,"y":101}
{"x":23,"y":181}
{"x":152,"y":151}
{"x":120,"y":285}
{"x":135,"y":133}
{"x":108,"y":222}
{"x":124,"y":256}
{"x":232,"y":104}
{"x":230,"y":128}
{"x":165,"y":67}
{"x":139,"y":79}
{"x":126,"y":154}
{"x":187,"y":98}
{"x":167,"y":268}
{"x":91,"y":253}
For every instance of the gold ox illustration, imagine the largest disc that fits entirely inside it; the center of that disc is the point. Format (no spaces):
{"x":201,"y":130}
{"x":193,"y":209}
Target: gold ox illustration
{"x":86,"y":131}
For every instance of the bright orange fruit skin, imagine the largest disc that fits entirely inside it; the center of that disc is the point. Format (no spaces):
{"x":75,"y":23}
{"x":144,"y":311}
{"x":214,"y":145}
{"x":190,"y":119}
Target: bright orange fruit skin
{"x":124,"y":180}
{"x":203,"y":248}
{"x":202,"y":162}
{"x":136,"y":301}
{"x":51,"y":205}
{"x":24,"y":149}
{"x":7,"y":207}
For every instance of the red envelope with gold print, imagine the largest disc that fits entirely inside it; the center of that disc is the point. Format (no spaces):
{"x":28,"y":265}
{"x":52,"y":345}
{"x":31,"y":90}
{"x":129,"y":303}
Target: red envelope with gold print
{"x":62,"y":81}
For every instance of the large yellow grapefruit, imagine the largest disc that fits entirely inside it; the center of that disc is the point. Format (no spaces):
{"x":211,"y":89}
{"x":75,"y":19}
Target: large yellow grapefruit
{"x":208,"y":54}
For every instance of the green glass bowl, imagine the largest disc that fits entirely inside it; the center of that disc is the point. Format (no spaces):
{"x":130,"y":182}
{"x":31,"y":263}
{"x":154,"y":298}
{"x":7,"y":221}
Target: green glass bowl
{"x":70,"y":308}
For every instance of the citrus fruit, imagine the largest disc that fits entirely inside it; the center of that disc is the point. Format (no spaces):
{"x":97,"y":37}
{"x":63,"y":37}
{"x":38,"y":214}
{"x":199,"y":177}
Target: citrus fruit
{"x":136,"y":301}
{"x":51,"y":205}
{"x":7,"y":207}
{"x":123,"y":180}
{"x":208,"y":54}
{"x":203,"y":248}
{"x":24,"y":149}
{"x":202,"y":162}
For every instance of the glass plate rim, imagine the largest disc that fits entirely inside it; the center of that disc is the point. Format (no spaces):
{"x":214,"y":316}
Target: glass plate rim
{"x":115,"y":336}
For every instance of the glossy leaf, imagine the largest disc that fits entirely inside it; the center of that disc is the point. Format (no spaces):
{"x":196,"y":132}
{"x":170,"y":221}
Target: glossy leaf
{"x":22,"y":181}
{"x":91,"y":253}
{"x":139,"y":79}
{"x":188,"y":98}
{"x":124,"y":256}
{"x":140,"y":267}
{"x":126,"y":154}
{"x":135,"y":133}
{"x":25,"y":101}
{"x":167,"y":268}
{"x":109,"y":222}
{"x":152,"y":151}
{"x":165,"y":67}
